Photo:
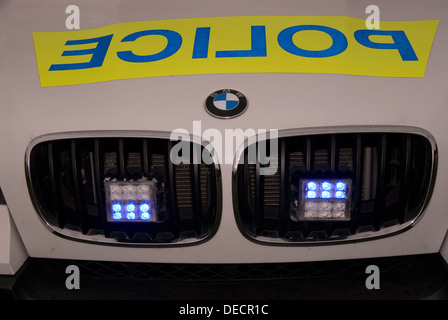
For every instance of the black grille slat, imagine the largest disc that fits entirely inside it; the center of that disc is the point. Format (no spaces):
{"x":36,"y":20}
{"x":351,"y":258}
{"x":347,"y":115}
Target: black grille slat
{"x":122,"y":157}
{"x":333,"y":153}
{"x":309,"y":159}
{"x":390,"y":174}
{"x":204,"y":184}
{"x":197,"y":199}
{"x":381,"y":181}
{"x":174,"y":216}
{"x":145,"y":158}
{"x":422,"y":170}
{"x":55,"y":182}
{"x":406,"y":164}
{"x":99,"y":176}
{"x":357,"y":151}
{"x":67,"y":177}
{"x":284,"y":186}
{"x":259,"y":198}
{"x":80,"y":204}
{"x":183,"y":183}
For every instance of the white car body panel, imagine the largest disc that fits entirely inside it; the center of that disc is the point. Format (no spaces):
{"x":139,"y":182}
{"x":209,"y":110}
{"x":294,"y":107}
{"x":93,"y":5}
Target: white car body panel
{"x":12,"y":251}
{"x":276,"y":101}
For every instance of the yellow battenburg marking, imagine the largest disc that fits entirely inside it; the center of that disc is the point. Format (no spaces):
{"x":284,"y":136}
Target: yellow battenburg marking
{"x":255,"y":44}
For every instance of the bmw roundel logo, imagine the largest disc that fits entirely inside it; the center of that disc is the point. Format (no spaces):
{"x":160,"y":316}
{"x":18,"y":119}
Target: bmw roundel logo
{"x":226,"y":103}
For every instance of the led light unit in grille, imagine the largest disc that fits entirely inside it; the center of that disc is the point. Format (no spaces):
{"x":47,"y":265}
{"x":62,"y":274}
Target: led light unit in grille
{"x":324,"y":199}
{"x":131,"y":201}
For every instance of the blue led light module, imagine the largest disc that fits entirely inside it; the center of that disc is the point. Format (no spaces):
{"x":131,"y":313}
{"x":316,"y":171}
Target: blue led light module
{"x":339,"y":195}
{"x":130,"y":207}
{"x":326,"y":186}
{"x":144,"y":207}
{"x":326,"y":195}
{"x":324,"y":199}
{"x":131,"y":201}
{"x":312,"y":186}
{"x":116,"y":207}
{"x":341,"y":185}
{"x":311,"y":194}
{"x":130,"y":216}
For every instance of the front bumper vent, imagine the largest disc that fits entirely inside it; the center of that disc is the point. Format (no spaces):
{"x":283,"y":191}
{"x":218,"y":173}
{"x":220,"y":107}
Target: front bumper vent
{"x":67,"y":175}
{"x":392,"y":174}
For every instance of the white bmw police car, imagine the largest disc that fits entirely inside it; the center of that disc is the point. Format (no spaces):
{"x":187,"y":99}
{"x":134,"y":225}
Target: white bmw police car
{"x":238,"y":150}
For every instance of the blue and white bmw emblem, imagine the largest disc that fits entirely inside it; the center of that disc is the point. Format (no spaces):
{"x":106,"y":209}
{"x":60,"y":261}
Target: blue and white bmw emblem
{"x":226,"y":103}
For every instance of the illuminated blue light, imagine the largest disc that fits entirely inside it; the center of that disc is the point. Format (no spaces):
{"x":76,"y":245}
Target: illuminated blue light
{"x":311,"y":185}
{"x":130,"y":216}
{"x":116,"y":207}
{"x":326,"y":186}
{"x":116,"y":216}
{"x":130,"y":207}
{"x":340,"y":194}
{"x":144,"y":207}
{"x":326,"y":195}
{"x":341,"y":186}
{"x":324,"y":199}
{"x":311,"y":194}
{"x":145,"y":216}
